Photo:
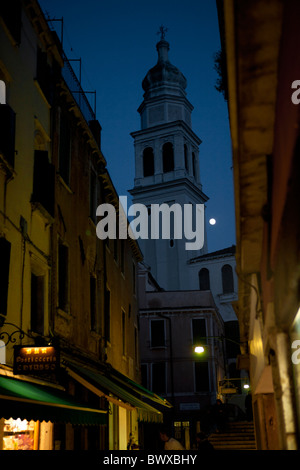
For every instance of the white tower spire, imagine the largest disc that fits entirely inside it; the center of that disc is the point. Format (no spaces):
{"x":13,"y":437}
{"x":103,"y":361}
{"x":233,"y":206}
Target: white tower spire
{"x":166,"y":163}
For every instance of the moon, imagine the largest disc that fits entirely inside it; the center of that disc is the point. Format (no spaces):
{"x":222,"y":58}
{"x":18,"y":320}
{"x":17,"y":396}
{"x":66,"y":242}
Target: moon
{"x":212,"y":221}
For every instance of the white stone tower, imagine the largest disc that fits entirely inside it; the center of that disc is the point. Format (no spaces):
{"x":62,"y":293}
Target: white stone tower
{"x":167,"y":164}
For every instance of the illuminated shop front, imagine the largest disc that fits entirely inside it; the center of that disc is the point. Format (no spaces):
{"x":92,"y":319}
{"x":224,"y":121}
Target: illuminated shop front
{"x":83,"y":406}
{"x":20,"y":434}
{"x":30,"y":410}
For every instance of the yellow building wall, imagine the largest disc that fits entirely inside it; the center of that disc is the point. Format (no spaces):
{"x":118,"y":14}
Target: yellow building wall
{"x":18,"y":69}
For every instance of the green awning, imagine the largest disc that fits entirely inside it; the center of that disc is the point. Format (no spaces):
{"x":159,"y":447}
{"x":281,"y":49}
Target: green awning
{"x":140,"y":390}
{"x":31,"y":401}
{"x":107,"y":387}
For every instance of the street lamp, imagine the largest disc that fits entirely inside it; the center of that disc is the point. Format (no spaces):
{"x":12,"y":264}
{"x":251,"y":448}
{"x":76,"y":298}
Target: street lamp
{"x":199,"y":349}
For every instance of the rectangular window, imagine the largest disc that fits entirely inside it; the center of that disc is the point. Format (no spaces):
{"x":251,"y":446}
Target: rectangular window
{"x":37,"y":303}
{"x":93,"y":195}
{"x":157,"y":333}
{"x":93,"y":309}
{"x":5,"y":248}
{"x":159,"y":377}
{"x":201,"y":377}
{"x":7,"y":133}
{"x":11,"y":13}
{"x":107,"y":315}
{"x":43,"y":181}
{"x":64,"y":149}
{"x":63,"y":277}
{"x":199,"y":330}
{"x":44,"y":75}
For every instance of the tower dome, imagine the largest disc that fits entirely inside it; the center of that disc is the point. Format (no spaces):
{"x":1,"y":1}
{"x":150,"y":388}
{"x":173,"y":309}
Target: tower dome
{"x":164,"y":75}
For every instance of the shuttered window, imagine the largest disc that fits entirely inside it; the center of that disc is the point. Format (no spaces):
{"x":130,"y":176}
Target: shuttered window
{"x":7,"y":133}
{"x":157,"y":333}
{"x":37,"y":303}
{"x":63,"y":277}
{"x":44,"y":75}
{"x":199,"y":330}
{"x":201,"y":377}
{"x":5,"y":248}
{"x":65,"y":149}
{"x":11,"y":12}
{"x":43,"y":181}
{"x":159,"y":377}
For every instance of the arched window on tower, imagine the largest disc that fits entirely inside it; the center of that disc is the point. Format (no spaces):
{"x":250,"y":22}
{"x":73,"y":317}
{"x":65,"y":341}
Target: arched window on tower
{"x":194,"y":164}
{"x":204,"y":283}
{"x":168,"y":157}
{"x":227,"y":279}
{"x":148,"y":162}
{"x":186,"y":163}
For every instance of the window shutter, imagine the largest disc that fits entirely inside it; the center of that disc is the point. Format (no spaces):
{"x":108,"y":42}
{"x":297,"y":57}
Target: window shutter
{"x":7,"y":133}
{"x":43,"y":181}
{"x":5,"y":248}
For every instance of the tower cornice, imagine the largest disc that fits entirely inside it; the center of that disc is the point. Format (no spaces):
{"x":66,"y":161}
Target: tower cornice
{"x":169,"y":127}
{"x":163,"y":99}
{"x":151,"y":189}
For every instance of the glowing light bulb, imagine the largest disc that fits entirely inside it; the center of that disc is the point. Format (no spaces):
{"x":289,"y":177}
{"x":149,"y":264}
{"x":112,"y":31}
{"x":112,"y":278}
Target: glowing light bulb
{"x":199,"y":349}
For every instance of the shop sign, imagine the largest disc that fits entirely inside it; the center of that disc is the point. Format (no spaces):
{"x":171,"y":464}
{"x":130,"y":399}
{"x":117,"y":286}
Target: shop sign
{"x":189,"y":406}
{"x":228,"y":390}
{"x":35,"y":359}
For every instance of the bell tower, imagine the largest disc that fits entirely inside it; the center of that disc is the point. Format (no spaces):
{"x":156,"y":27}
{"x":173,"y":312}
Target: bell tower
{"x":166,"y":163}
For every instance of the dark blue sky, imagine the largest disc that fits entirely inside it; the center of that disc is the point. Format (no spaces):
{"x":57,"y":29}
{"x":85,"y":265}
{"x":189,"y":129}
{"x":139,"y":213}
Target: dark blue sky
{"x":116,"y":40}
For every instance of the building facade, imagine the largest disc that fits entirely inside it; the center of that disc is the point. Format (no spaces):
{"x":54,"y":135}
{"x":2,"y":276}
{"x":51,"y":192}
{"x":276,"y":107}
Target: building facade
{"x":216,"y":271}
{"x":261,"y":73}
{"x":172,"y":325}
{"x":70,"y":370}
{"x":178,"y":305}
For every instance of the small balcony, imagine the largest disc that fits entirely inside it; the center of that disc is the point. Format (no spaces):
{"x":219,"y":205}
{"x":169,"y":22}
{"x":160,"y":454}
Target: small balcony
{"x":75,"y":88}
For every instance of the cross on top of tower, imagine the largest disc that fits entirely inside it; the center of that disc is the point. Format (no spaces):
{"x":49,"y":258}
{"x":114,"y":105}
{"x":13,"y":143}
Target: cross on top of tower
{"x":162,"y":31}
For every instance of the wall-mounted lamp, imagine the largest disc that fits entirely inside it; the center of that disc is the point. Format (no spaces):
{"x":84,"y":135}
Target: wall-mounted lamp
{"x":199,"y":349}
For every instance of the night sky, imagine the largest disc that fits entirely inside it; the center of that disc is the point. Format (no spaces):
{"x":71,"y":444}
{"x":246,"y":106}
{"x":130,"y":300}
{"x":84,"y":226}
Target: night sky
{"x":116,"y":40}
